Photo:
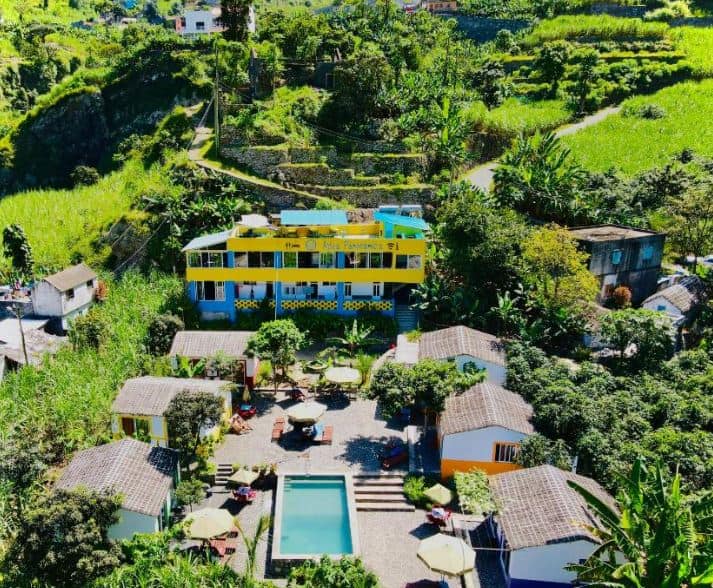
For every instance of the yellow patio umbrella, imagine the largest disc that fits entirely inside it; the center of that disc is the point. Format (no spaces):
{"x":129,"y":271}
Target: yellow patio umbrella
{"x":306,"y":412}
{"x":439,"y":494}
{"x":243,"y":477}
{"x":447,"y":555}
{"x":343,"y":375}
{"x":208,"y":523}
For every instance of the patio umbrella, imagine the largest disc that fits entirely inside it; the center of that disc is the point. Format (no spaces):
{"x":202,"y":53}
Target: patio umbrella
{"x":343,"y":375}
{"x":439,"y":494}
{"x":243,"y":477}
{"x":246,"y":395}
{"x":208,"y":523}
{"x":447,"y":555}
{"x":306,"y":412}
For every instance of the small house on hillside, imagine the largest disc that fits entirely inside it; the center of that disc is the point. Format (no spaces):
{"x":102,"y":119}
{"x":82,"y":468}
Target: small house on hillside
{"x":207,"y":345}
{"x":679,"y":301}
{"x":460,"y":344}
{"x":622,"y":256}
{"x":542,"y":525}
{"x":142,"y":402}
{"x":65,"y":295}
{"x":145,"y":477}
{"x":483,"y":428}
{"x":37,"y":343}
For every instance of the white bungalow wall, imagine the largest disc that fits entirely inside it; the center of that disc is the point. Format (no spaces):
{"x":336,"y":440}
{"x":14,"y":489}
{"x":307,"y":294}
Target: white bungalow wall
{"x":547,"y":563}
{"x":131,"y":522}
{"x":496,"y":373}
{"x":477,"y":445}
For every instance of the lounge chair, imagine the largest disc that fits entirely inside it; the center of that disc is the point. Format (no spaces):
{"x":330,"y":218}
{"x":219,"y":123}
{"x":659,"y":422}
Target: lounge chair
{"x":327,"y":435}
{"x":397,"y":458}
{"x":245,"y":497}
{"x":238,"y":425}
{"x":439,"y":521}
{"x":278,"y":428}
{"x":218,"y":545}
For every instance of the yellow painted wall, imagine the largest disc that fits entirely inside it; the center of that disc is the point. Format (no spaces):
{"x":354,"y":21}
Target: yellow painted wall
{"x":410,"y":246}
{"x":451,"y":466}
{"x":258,"y":274}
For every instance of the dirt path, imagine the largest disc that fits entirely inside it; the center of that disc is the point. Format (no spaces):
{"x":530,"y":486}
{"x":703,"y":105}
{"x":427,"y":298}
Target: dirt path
{"x":482,"y":175}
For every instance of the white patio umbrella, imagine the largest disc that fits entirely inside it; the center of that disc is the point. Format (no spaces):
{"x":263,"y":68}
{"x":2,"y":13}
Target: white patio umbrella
{"x":306,"y":412}
{"x":343,"y":375}
{"x":244,"y":477}
{"x":447,"y":555}
{"x":254,"y":221}
{"x":207,"y":523}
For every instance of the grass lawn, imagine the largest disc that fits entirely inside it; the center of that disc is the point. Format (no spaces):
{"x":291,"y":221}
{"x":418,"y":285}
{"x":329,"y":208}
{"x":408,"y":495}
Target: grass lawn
{"x":521,"y":116}
{"x":32,"y":10}
{"x":633,"y":144}
{"x":697,"y":44}
{"x":59,"y":223}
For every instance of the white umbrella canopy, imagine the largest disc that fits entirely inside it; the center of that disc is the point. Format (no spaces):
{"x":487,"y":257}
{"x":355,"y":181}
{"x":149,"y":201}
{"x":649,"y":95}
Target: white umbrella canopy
{"x":447,"y":555}
{"x":306,"y":412}
{"x":244,"y":477}
{"x":208,"y":523}
{"x":254,"y":221}
{"x":439,"y":494}
{"x":343,"y":375}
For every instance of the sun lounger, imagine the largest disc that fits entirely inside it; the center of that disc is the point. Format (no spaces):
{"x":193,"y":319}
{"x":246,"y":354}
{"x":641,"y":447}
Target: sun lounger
{"x":277,"y":429}
{"x":238,"y":425}
{"x":219,"y":546}
{"x":389,"y":462}
{"x":327,"y":435}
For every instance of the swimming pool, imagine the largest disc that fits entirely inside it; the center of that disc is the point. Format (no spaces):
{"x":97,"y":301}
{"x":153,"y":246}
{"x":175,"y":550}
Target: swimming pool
{"x":314,"y":516}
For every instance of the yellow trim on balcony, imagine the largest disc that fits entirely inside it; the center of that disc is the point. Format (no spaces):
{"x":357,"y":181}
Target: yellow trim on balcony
{"x":248,"y":304}
{"x":257,"y":274}
{"x":327,"y":245}
{"x":381,"y":305}
{"x":316,"y":304}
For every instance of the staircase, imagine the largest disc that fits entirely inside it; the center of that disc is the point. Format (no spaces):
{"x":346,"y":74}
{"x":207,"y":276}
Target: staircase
{"x":380,"y":492}
{"x":224,"y":471}
{"x":406,"y":318}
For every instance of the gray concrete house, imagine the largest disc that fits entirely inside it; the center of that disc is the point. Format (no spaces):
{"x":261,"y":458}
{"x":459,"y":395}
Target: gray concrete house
{"x":145,"y":476}
{"x":65,"y":295}
{"x":622,"y":256}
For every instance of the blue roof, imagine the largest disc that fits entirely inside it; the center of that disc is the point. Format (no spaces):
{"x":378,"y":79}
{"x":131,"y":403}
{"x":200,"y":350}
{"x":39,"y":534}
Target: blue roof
{"x":411,"y":222}
{"x":207,"y":241}
{"x":313,"y":217}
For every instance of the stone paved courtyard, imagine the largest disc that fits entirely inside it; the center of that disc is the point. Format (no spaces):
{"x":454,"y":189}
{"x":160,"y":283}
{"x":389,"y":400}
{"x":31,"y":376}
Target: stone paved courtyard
{"x":359,"y":435}
{"x":389,"y":540}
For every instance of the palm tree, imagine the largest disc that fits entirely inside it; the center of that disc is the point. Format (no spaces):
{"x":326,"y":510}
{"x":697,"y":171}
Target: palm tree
{"x":251,"y":545}
{"x":355,"y":338}
{"x":659,"y":539}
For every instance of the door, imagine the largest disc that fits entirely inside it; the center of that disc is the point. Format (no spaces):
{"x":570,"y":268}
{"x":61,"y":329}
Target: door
{"x":127,"y":425}
{"x":313,"y":291}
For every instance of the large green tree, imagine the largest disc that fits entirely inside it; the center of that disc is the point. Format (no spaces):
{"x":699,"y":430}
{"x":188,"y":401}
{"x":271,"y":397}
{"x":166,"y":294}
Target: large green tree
{"x":187,"y":415}
{"x":62,"y":540}
{"x":234,"y":18}
{"x":690,"y":224}
{"x":17,"y":248}
{"x":277,"y":342}
{"x":659,"y":538}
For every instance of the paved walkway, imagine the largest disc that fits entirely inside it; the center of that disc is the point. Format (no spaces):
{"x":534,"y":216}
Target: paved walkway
{"x":482,"y":175}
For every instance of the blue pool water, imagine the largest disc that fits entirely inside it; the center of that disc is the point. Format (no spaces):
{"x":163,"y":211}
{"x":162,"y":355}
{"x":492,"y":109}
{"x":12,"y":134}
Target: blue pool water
{"x":315,"y":516}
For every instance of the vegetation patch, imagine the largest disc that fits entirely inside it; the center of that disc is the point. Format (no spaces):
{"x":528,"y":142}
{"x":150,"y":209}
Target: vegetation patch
{"x":632,"y":144}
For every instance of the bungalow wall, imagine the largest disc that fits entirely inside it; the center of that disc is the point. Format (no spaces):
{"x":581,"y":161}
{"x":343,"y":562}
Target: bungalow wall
{"x":544,"y":566}
{"x":460,"y":452}
{"x":496,"y":373}
{"x":131,"y":522}
{"x":663,"y":305}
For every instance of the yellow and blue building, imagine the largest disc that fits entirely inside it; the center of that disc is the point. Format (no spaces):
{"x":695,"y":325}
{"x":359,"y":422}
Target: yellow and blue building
{"x":309,"y":259}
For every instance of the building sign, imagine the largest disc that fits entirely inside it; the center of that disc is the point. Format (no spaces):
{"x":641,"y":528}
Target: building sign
{"x":369,"y":245}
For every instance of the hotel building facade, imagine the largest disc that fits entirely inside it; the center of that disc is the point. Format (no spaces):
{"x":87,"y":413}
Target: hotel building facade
{"x":309,"y":259}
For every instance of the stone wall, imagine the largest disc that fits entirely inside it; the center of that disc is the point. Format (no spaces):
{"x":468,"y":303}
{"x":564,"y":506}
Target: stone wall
{"x":314,"y":155}
{"x":261,"y":160}
{"x":372,"y":197}
{"x":372,"y":164}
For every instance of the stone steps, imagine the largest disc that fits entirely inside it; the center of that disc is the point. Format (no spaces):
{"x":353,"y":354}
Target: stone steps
{"x":222,"y":473}
{"x":374,"y":492}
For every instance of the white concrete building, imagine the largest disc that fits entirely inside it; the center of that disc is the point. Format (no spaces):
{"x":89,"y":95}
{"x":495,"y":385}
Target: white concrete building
{"x":141,"y":403}
{"x":679,"y":301}
{"x":483,"y":428}
{"x":460,"y":344}
{"x":145,"y":476}
{"x":206,"y":345}
{"x":195,"y":23}
{"x":543,"y":525}
{"x":65,"y":295}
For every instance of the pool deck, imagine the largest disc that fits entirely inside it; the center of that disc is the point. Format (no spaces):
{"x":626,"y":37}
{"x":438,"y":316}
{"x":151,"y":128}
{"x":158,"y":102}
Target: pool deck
{"x":388,"y":540}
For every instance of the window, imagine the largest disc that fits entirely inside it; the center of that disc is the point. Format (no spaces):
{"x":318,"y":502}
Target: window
{"x":661,"y":307}
{"x":261,"y":259}
{"x":70,"y":294}
{"x":326,"y":260}
{"x":408,"y":262}
{"x":329,"y":284}
{"x":200,"y":25}
{"x":207,"y":259}
{"x":647,"y":253}
{"x":241,"y":259}
{"x":375,"y":260}
{"x":347,"y":288}
{"x":90,"y":284}
{"x":289,"y":290}
{"x":376,"y":290}
{"x":210,"y":290}
{"x":289,"y":259}
{"x":616,"y":256}
{"x":506,"y":452}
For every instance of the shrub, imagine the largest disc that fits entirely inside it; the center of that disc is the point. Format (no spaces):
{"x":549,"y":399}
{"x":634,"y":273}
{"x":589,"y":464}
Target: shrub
{"x":647,"y":111}
{"x":346,"y":572}
{"x":89,"y":331}
{"x":621,"y":297}
{"x":162,"y":330}
{"x":84,"y":175}
{"x":473,"y":492}
{"x":414,"y":490}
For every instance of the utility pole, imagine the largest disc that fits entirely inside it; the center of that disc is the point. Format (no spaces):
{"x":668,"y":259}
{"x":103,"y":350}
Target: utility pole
{"x":216,"y":102}
{"x":17,"y":308}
